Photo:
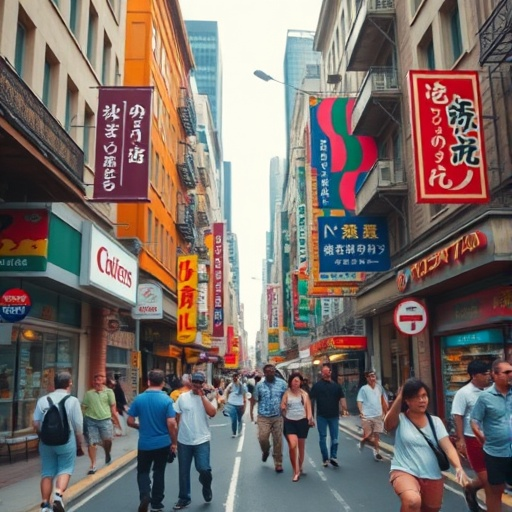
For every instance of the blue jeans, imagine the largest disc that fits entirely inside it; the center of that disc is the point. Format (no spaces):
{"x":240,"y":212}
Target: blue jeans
{"x":201,"y":455}
{"x":157,"y":458}
{"x":235,"y":413}
{"x":333,"y":424}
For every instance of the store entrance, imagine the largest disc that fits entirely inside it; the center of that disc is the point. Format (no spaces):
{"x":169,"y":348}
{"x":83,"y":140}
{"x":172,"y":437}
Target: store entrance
{"x":349,"y":374}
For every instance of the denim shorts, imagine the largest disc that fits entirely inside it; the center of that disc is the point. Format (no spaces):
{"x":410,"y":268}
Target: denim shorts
{"x":58,"y":460}
{"x":96,"y":431}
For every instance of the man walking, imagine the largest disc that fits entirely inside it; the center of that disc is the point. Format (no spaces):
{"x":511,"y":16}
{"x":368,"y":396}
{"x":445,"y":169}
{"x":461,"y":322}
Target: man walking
{"x":99,"y":407}
{"x":467,"y":444}
{"x":194,"y":409}
{"x":58,"y":462}
{"x":330,"y":403}
{"x":372,"y":405}
{"x":490,"y":421}
{"x":157,"y":438}
{"x":269,"y":393}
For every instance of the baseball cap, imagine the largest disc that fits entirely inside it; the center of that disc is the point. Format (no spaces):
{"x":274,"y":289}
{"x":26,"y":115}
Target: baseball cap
{"x":198,"y":377}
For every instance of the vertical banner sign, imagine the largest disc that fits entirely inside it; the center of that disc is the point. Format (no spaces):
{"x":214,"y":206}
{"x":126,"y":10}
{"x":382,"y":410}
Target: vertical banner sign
{"x":187,"y":298}
{"x":123,"y":144}
{"x":273,"y":306}
{"x":285,"y":270}
{"x":218,"y":279}
{"x":302,"y":250}
{"x":448,"y":139}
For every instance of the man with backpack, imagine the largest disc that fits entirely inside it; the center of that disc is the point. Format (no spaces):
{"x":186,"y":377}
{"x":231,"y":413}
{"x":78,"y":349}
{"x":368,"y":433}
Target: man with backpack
{"x":58,"y":420}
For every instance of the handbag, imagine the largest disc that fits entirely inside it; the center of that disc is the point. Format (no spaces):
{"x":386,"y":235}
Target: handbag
{"x":442,"y":459}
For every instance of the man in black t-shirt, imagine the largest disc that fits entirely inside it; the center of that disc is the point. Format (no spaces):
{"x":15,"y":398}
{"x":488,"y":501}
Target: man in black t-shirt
{"x":328,"y":397}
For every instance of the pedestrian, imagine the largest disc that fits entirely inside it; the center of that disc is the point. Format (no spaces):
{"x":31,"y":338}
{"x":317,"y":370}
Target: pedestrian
{"x":330,"y":403}
{"x":467,"y":444}
{"x":415,"y":473}
{"x":158,"y":441}
{"x":372,"y":404}
{"x":99,"y":409}
{"x":184,"y":385}
{"x":235,"y":396}
{"x":193,"y":409}
{"x":121,"y":403}
{"x":491,"y":423}
{"x":269,"y":394}
{"x":298,"y":418}
{"x":305,"y":385}
{"x":58,"y":462}
{"x":252,"y":402}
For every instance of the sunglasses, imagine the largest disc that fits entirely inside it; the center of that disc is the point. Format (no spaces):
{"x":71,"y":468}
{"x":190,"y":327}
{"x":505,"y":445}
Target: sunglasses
{"x":197,"y":382}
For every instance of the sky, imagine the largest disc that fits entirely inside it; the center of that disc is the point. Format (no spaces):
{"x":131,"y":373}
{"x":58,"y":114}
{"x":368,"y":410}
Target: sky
{"x":252,"y":36}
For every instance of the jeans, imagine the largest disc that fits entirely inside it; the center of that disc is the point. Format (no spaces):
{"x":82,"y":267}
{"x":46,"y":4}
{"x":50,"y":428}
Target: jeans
{"x":235,"y":413}
{"x":333,"y":424}
{"x":157,"y":458}
{"x":201,"y":455}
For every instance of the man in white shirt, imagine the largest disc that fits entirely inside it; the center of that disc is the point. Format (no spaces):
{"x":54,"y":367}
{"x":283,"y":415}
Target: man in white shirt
{"x":467,"y":443}
{"x":193,"y":409}
{"x":372,"y":405}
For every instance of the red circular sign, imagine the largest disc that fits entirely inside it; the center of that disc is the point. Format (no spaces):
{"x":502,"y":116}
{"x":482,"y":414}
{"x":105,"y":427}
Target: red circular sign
{"x":410,"y":317}
{"x":14,"y":305}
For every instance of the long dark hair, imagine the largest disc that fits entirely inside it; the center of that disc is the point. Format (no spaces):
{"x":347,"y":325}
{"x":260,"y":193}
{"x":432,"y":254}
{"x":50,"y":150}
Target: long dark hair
{"x":292,"y":376}
{"x":410,"y":389}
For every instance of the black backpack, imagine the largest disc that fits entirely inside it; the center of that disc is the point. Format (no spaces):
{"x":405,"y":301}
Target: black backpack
{"x":55,"y":427}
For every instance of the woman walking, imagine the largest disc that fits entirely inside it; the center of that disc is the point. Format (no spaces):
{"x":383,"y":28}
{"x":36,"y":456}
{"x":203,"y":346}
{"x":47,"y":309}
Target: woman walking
{"x":415,"y":473}
{"x":298,"y":417}
{"x":235,"y":396}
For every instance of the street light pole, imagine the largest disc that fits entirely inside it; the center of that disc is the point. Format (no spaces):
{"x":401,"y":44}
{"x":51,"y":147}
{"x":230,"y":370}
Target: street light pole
{"x":267,"y":78}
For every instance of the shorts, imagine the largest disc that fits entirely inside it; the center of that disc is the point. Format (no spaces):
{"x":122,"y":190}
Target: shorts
{"x":499,"y":469}
{"x":299,"y":428}
{"x":96,"y":431}
{"x":58,"y":460}
{"x":431,"y":491}
{"x":475,"y":454}
{"x":373,"y":425}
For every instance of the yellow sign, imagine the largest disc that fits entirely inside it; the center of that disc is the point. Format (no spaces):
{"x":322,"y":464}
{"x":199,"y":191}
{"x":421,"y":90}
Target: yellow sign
{"x":187,"y":299}
{"x":135,"y":359}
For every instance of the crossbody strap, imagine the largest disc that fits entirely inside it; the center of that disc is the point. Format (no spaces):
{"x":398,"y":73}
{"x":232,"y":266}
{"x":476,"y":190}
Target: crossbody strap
{"x":430,"y":443}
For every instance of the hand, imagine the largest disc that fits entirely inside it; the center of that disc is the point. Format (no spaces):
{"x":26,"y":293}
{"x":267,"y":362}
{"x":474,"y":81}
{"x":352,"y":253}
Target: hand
{"x":461,"y":447}
{"x":462,"y":478}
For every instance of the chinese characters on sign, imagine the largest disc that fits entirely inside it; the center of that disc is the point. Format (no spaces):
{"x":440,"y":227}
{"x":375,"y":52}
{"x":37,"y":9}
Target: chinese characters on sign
{"x":218,"y":279}
{"x":448,"y":138}
{"x":122,"y":144}
{"x":357,"y":244}
{"x":187,"y":299}
{"x":302,"y":249}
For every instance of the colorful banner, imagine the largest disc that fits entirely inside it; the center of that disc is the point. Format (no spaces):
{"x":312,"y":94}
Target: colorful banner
{"x":353,"y":244}
{"x":273,"y":306}
{"x":187,"y":299}
{"x":24,"y":240}
{"x":123,"y":133}
{"x":448,"y":138}
{"x":300,"y":302}
{"x":348,"y":342}
{"x":273,"y":342}
{"x":218,"y":279}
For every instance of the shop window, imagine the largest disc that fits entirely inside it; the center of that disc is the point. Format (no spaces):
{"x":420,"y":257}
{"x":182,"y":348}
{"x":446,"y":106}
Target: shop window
{"x":117,"y":356}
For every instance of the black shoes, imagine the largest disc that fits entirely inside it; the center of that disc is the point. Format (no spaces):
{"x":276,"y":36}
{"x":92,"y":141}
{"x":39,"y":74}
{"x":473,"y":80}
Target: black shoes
{"x":181,"y":504}
{"x":470,"y":497}
{"x":144,"y":504}
{"x":205,"y":478}
{"x":334,"y":462}
{"x":264,"y":456}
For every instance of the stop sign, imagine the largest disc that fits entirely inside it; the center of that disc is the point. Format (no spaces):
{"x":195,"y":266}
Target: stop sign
{"x":14,"y":305}
{"x":410,"y":317}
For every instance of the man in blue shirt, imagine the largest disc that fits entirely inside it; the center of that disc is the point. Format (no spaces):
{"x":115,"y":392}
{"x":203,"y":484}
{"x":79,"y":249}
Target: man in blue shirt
{"x":157,"y":439}
{"x":269,"y":393}
{"x":491,"y":420}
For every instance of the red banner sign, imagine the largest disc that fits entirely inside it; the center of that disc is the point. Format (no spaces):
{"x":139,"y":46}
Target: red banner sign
{"x":123,"y":144}
{"x":218,"y":280}
{"x":348,"y":342}
{"x":448,"y":138}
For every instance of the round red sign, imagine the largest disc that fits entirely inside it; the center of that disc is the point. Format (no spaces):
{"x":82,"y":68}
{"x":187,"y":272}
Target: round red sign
{"x":410,"y":317}
{"x":15,"y":305}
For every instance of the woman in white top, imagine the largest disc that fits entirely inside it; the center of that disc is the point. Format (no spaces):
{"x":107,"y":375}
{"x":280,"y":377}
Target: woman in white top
{"x":298,"y":417}
{"x":235,"y":396}
{"x":415,"y":474}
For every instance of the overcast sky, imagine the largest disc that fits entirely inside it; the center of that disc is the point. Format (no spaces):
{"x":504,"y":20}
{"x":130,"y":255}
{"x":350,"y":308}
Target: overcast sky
{"x":252,"y":36}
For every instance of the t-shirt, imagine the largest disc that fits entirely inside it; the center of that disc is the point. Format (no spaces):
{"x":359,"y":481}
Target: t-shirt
{"x":152,"y":407}
{"x":463,"y":404}
{"x":97,"y":404}
{"x":193,"y":426}
{"x":412,"y":453}
{"x":327,"y":395}
{"x":371,"y":400}
{"x":72,"y":406}
{"x":236,"y":394}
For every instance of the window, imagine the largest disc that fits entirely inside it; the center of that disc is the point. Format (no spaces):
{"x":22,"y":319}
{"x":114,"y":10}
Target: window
{"x":150,"y":227}
{"x":21,"y":43}
{"x":107,"y":55}
{"x":92,"y":34}
{"x":456,"y":33}
{"x":88,"y":126}
{"x":431,"y":58}
{"x":47,"y":78}
{"x":71,"y":106}
{"x":73,"y":16}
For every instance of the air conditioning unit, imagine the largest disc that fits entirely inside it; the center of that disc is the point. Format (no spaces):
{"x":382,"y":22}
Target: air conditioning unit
{"x":386,"y":173}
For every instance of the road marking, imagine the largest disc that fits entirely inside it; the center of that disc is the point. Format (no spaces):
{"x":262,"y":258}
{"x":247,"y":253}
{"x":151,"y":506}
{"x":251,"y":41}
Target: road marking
{"x":342,"y":502}
{"x":219,"y":425}
{"x":230,"y":503}
{"x":100,"y":488}
{"x":241,"y":442}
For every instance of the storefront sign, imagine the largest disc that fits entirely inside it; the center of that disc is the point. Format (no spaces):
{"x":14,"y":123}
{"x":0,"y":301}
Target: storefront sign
{"x":448,"y":138}
{"x":187,"y":298}
{"x":474,"y":338}
{"x":107,"y":265}
{"x":15,"y":305}
{"x":218,"y":279}
{"x":449,"y":255}
{"x":410,"y":317}
{"x":149,"y":302}
{"x":348,"y":342}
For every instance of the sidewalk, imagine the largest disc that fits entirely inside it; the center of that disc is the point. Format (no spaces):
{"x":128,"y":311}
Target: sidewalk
{"x":19,"y":481}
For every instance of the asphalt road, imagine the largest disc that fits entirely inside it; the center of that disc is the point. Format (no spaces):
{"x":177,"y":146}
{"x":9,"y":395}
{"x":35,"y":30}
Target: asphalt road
{"x":241,"y":482}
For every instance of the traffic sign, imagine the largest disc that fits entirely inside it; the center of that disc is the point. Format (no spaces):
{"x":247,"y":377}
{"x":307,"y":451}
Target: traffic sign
{"x":410,"y":317}
{"x":15,"y":305}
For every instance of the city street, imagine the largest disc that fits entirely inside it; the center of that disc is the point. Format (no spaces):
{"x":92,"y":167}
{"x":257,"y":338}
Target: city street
{"x":241,"y":481}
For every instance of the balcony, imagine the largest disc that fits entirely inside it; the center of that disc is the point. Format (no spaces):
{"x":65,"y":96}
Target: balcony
{"x":186,"y":166}
{"x":383,"y":187}
{"x":371,"y":32}
{"x":496,"y":35}
{"x":185,"y":223}
{"x":377,"y":101}
{"x":202,"y":216}
{"x":187,"y":112}
{"x":39,"y":161}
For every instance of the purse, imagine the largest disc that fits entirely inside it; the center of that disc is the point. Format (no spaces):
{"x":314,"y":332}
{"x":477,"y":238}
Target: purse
{"x":442,"y":459}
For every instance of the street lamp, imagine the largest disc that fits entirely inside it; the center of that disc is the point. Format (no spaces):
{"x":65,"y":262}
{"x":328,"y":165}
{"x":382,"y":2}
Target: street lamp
{"x":267,"y":78}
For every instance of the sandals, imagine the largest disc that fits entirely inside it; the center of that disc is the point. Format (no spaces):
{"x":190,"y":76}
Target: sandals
{"x":296,"y":477}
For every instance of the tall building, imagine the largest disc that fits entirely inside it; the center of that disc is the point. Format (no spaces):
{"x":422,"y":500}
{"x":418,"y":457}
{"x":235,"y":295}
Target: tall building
{"x":300,"y":60}
{"x":203,"y":37}
{"x":227,"y":204}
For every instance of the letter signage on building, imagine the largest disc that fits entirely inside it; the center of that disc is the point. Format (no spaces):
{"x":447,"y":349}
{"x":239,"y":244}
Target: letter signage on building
{"x":218,"y":279}
{"x":149,"y":302}
{"x":448,"y":137}
{"x":187,"y":298}
{"x":107,"y":265}
{"x":15,"y":305}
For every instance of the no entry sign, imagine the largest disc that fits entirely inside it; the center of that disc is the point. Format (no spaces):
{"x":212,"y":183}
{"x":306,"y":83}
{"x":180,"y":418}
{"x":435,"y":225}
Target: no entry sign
{"x":14,"y":305}
{"x":410,"y":317}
